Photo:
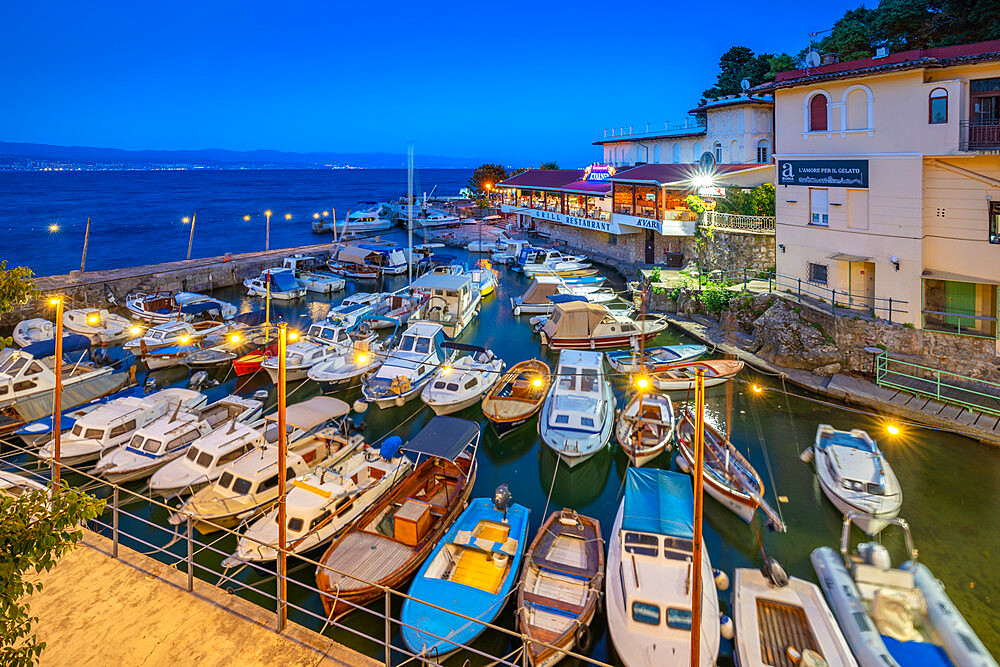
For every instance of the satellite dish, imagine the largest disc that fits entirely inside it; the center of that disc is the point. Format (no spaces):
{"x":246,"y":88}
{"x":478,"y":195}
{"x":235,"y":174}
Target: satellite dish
{"x":745,"y":84}
{"x":812,"y":59}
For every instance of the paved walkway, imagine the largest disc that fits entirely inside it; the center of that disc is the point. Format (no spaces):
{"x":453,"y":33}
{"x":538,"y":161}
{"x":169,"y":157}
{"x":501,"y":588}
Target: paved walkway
{"x":96,"y":610}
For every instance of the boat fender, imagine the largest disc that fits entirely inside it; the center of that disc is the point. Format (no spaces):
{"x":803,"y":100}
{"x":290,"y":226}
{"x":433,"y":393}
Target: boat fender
{"x":726,"y":628}
{"x":517,"y":311}
{"x":150,"y":385}
{"x":775,"y":573}
{"x":583,"y":638}
{"x":261,"y":394}
{"x":807,"y":455}
{"x":721,"y":579}
{"x":390,"y":448}
{"x":875,"y":554}
{"x":360,"y":406}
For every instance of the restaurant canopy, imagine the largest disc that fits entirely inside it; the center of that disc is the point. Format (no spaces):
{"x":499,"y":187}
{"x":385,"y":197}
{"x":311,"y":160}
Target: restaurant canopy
{"x":309,"y":414}
{"x":660,"y":502}
{"x":444,"y":437}
{"x":576,"y":319}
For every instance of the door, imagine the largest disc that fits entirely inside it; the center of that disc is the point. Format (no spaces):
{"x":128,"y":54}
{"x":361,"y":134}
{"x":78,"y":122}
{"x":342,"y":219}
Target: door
{"x":960,"y":299}
{"x":863,"y":285}
{"x":650,"y":247}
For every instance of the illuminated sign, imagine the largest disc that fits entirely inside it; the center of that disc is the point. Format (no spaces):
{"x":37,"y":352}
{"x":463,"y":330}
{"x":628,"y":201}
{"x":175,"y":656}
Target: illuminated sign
{"x":598,"y":172}
{"x":712,"y":192}
{"x":829,"y":173}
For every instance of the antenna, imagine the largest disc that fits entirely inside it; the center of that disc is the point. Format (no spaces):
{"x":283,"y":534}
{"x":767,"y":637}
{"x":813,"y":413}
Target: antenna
{"x":812,"y":59}
{"x":745,"y":84}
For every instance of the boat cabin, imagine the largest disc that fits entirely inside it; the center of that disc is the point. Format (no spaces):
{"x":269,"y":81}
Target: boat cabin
{"x":452,"y":301}
{"x":31,"y":370}
{"x":578,"y":392}
{"x":329,"y":333}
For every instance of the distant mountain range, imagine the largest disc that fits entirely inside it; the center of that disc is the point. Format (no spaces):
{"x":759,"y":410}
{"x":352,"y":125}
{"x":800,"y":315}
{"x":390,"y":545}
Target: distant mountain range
{"x":19,"y":156}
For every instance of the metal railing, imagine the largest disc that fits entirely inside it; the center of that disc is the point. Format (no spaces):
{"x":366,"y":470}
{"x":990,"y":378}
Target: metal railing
{"x":943,"y":386}
{"x":733,"y":221}
{"x":939,"y":323}
{"x":979,"y":135}
{"x":181,"y":549}
{"x":692,"y":123}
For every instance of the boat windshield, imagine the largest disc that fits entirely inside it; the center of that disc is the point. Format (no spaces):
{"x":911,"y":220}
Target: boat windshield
{"x":242,"y":486}
{"x":407,"y":344}
{"x":423,"y":345}
{"x":225,"y":480}
{"x":642,"y":544}
{"x":12,"y":364}
{"x":567,"y":377}
{"x":152,"y":446}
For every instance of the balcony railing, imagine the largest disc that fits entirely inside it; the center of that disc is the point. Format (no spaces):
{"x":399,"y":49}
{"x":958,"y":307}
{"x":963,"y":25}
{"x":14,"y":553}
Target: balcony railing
{"x":979,"y":135}
{"x":749,"y":223}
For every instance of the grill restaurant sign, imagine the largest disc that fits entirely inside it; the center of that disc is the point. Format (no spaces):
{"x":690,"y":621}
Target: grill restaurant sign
{"x":824,"y":173}
{"x":598,"y":172}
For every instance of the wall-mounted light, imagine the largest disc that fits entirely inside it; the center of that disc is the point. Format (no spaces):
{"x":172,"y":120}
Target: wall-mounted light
{"x":895,"y":261}
{"x":782,"y":246}
{"x":833,"y":203}
{"x":791,"y":201}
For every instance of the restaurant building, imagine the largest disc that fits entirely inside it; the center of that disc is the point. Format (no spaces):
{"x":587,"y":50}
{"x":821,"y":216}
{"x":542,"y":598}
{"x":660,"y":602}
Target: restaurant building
{"x":888,"y":184}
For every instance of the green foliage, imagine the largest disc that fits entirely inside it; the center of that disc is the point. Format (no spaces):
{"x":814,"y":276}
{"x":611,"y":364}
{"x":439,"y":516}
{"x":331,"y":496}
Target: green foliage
{"x":908,"y":325}
{"x":36,"y":530}
{"x":739,"y":63}
{"x":715,"y":297}
{"x":748,"y":201}
{"x":674,"y":294}
{"x":16,"y":286}
{"x":485,"y":173}
{"x":549,"y":165}
{"x":655,"y":275}
{"x":695,"y":203}
{"x":763,"y":199}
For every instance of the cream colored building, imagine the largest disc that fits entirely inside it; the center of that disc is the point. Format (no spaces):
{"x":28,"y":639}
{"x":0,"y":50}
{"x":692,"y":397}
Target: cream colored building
{"x":888,"y":185}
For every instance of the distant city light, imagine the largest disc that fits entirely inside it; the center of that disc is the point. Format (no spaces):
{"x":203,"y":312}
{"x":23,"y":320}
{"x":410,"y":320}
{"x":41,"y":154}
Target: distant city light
{"x":53,"y":227}
{"x":288,"y":216}
{"x":246,"y":218}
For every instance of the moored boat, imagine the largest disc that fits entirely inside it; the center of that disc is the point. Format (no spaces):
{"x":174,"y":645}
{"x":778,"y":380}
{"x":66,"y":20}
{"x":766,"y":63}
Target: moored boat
{"x":579,"y":411}
{"x":450,"y":301}
{"x":97,"y":324}
{"x":34,"y":330}
{"x":682,"y":376}
{"x":644,"y":428}
{"x":462,"y":382}
{"x":407,"y":367}
{"x":560,"y":587}
{"x":578,"y":325}
{"x":518,"y":395}
{"x":653,"y":359}
{"x":278,"y":283}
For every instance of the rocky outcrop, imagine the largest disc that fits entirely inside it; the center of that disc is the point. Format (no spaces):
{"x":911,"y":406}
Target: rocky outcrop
{"x":785,"y":338}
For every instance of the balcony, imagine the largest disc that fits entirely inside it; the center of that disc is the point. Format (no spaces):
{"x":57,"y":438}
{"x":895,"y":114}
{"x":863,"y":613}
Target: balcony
{"x":980,"y":135}
{"x":758,"y":224}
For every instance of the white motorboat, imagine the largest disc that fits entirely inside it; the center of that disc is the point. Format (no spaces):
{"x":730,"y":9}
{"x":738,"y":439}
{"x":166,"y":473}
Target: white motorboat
{"x":346,"y":369}
{"x":36,"y":433}
{"x":781,"y":620}
{"x":394,"y":307}
{"x":12,"y":484}
{"x":34,"y":330}
{"x":100,"y":326}
{"x":649,"y":567}
{"x":324,"y":502}
{"x":856,"y":477}
{"x":578,"y":325}
{"x":362,"y":298}
{"x":645,"y":427}
{"x":173,"y":334}
{"x":894,"y":616}
{"x":280,"y":282}
{"x":160,"y":307}
{"x":579,"y":411}
{"x":324,"y":341}
{"x":206,"y":458}
{"x":432,"y":217}
{"x":450,"y":301}
{"x":114,"y":423}
{"x":318,"y":434}
{"x":485,"y":278}
{"x":551,"y":262}
{"x":463,"y":382}
{"x":490,"y":243}
{"x":168,"y":437}
{"x":348,"y":315}
{"x":365,"y":221}
{"x":509,"y":251}
{"x":304,"y":269}
{"x":30,"y":371}
{"x":407,"y":367}
{"x":578,"y":284}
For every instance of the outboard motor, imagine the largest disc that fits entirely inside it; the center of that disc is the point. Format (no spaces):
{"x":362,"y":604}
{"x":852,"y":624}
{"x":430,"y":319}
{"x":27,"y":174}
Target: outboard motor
{"x":150,"y":385}
{"x":875,"y":554}
{"x":261,"y":395}
{"x":198,"y":380}
{"x":502,"y":500}
{"x":775,"y":573}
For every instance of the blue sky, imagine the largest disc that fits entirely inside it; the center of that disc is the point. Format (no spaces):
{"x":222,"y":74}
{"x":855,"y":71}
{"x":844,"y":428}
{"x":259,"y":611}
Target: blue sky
{"x":515,"y":82}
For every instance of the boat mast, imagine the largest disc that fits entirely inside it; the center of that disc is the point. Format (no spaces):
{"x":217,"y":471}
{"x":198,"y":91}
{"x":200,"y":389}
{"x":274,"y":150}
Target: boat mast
{"x":698,"y":474}
{"x":409,"y":214}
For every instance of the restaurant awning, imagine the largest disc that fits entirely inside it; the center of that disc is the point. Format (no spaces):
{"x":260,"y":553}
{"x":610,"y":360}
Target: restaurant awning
{"x":847,"y":257}
{"x":930,"y":274}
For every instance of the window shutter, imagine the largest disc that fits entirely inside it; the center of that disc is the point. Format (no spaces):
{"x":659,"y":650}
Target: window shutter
{"x":817,"y":114}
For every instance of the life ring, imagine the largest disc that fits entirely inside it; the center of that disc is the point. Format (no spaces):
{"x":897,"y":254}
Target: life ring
{"x":583,"y":638}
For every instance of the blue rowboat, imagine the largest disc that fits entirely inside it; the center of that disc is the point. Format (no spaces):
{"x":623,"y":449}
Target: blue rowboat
{"x":655,"y":358}
{"x":472,"y":571}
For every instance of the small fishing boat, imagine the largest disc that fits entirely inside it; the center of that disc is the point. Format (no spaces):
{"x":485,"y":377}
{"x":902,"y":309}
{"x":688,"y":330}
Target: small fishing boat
{"x":508,"y":252}
{"x":518,"y":395}
{"x":303,"y":269}
{"x":348,"y":313}
{"x":494,"y":242}
{"x":160,"y":307}
{"x":578,"y":325}
{"x":280,"y":283}
{"x":729,"y":477}
{"x":323,"y":341}
{"x":352,"y":262}
{"x":649,"y":568}
{"x":318,"y":434}
{"x":408,"y":366}
{"x":855,"y":476}
{"x":34,"y":330}
{"x":13,"y":485}
{"x":450,"y":301}
{"x":560,"y":587}
{"x":29,"y":372}
{"x":471,"y":571}
{"x":251,"y":362}
{"x":322,"y":503}
{"x":100,"y":326}
{"x":346,"y":369}
{"x":387,"y":543}
{"x":463,"y":382}
{"x":395,"y":308}
{"x":535,"y":299}
{"x":894,"y":616}
{"x":484,"y":278}
{"x":783,"y":621}
{"x":168,"y":437}
{"x":172,"y":334}
{"x":390,"y":260}
{"x":654,"y":359}
{"x":682,"y":376}
{"x":114,"y":423}
{"x":551,"y":262}
{"x":574,"y":285}
{"x":578,"y":414}
{"x":645,"y":427}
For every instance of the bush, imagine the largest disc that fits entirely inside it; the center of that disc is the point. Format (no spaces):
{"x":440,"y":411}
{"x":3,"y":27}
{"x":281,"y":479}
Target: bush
{"x":716,"y":298}
{"x":655,"y":276}
{"x":674,"y":294}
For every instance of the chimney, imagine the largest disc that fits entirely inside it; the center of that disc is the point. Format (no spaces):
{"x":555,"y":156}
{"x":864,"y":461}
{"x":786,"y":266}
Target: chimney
{"x":830,"y":58}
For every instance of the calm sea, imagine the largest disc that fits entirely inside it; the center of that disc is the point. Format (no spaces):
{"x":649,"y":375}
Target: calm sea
{"x":136,"y":216}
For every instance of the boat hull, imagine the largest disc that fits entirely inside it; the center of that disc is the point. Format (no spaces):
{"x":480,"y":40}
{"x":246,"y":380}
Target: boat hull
{"x":869,"y":523}
{"x":602,"y":343}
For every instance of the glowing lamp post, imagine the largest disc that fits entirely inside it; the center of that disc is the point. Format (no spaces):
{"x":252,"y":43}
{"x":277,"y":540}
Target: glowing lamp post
{"x":186,"y":220}
{"x":267,"y":237}
{"x":283,"y":335}
{"x":57,"y":395}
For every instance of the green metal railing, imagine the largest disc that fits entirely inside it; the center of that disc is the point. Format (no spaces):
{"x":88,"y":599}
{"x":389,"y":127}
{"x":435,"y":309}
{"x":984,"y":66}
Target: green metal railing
{"x":943,"y":386}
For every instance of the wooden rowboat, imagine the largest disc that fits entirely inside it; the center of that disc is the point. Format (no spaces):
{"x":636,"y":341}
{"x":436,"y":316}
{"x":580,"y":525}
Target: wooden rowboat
{"x":651,"y":423}
{"x":729,"y":477}
{"x":681,"y":376}
{"x":560,"y":586}
{"x":518,"y":395}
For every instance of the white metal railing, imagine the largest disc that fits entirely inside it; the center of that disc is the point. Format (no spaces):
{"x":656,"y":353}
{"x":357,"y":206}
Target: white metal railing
{"x":751,"y":223}
{"x":690,"y":123}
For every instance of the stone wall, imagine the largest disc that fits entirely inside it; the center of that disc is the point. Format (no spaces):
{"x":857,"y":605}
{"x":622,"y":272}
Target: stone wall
{"x":731,"y":250}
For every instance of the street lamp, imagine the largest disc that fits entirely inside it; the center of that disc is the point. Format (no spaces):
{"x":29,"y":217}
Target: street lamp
{"x":246,"y":218}
{"x":282,"y":480}
{"x":186,"y":220}
{"x":267,"y":238}
{"x":53,"y":228}
{"x":57,"y":395}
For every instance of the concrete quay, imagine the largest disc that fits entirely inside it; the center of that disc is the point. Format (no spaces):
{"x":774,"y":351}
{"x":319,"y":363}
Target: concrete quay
{"x":851,"y":389}
{"x":98,"y":610}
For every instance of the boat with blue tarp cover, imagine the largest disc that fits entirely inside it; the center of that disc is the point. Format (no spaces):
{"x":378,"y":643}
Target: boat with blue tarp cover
{"x":472,"y":572}
{"x":280,"y":282}
{"x":648,"y":589}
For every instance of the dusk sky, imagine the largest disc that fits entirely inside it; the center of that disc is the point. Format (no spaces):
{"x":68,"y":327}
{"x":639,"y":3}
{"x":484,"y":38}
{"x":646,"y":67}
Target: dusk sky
{"x":515,"y":82}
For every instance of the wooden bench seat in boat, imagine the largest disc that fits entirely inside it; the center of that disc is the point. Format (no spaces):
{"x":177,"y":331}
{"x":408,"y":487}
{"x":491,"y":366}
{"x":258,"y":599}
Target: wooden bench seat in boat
{"x":553,"y":603}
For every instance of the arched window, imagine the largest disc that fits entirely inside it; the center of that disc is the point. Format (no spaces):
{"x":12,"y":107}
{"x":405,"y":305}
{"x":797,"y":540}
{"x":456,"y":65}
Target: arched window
{"x":857,"y":110}
{"x":938,"y":106}
{"x":656,"y":154}
{"x":763,"y":151}
{"x":817,"y":114}
{"x":717,"y":151}
{"x":734,"y":152}
{"x":676,"y":153}
{"x":696,"y":152}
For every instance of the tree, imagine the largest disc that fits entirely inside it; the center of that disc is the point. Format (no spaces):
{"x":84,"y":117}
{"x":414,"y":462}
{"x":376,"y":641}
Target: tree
{"x":16,"y":288}
{"x":484,"y":174}
{"x":739,"y":63}
{"x":549,"y":165}
{"x":855,"y":35}
{"x":763,"y":199}
{"x":38,"y":527}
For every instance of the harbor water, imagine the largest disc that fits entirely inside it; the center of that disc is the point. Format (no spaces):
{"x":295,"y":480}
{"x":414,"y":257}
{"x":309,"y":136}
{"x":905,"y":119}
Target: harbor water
{"x":951,"y":495}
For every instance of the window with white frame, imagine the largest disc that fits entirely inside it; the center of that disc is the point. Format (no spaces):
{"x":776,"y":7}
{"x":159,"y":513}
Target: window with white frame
{"x":763,"y":151}
{"x":676,"y":153}
{"x":817,"y":273}
{"x":717,"y":151}
{"x":819,"y":207}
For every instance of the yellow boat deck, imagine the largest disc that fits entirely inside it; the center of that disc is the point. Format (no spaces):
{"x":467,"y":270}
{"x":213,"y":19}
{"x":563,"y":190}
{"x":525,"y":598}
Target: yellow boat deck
{"x":477,"y":568}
